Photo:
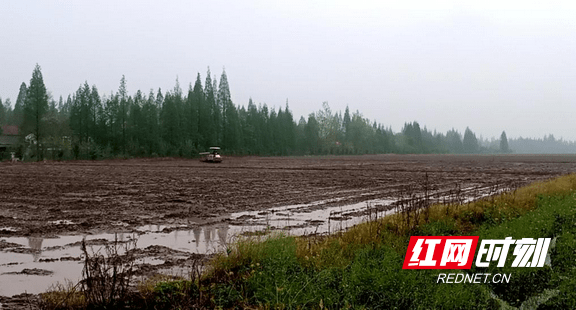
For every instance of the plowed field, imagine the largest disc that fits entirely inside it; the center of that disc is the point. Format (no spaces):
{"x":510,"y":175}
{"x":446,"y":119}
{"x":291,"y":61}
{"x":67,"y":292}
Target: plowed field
{"x":101,"y":196}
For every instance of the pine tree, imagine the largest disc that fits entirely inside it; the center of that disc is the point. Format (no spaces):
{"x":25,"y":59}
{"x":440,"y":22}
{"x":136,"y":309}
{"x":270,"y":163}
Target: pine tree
{"x":454,"y":141}
{"x":212,"y":119}
{"x":346,"y":124}
{"x":123,"y":110}
{"x":312,"y":134}
{"x":470,"y":142}
{"x":289,"y":129}
{"x":9,"y":111}
{"x":96,"y":115}
{"x":193,"y":103}
{"x":35,"y":107}
{"x":18,"y":114}
{"x":2,"y":115}
{"x":179,"y":118}
{"x":200,"y":113}
{"x":230,"y":124}
{"x":504,"y":143}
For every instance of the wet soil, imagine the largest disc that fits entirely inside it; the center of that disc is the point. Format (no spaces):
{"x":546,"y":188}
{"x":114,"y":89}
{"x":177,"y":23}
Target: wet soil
{"x":38,"y":199}
{"x":180,"y":207}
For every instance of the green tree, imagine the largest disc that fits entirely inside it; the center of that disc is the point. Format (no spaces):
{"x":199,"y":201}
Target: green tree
{"x":289,"y":130}
{"x":230,"y":121}
{"x":204,"y":114}
{"x":504,"y":143}
{"x":212,"y":128}
{"x":9,"y":112}
{"x":346,"y":124}
{"x":312,"y":135}
{"x":96,"y":114}
{"x":361,"y":134}
{"x":470,"y":142}
{"x":169,"y":123}
{"x":151,"y":130}
{"x":18,"y":114}
{"x":35,"y":107}
{"x":412,"y":138}
{"x":3,"y":115}
{"x":251,"y":133}
{"x":194,"y":102}
{"x":123,"y":110}
{"x":454,"y":141}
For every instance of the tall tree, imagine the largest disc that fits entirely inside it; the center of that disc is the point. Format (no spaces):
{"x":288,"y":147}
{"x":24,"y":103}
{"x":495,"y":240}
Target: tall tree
{"x":312,"y":134}
{"x":212,"y":124}
{"x":470,"y":142}
{"x":123,"y":100}
{"x":3,"y":115}
{"x":289,"y":128}
{"x":193,"y":103}
{"x":198,"y":112}
{"x":454,"y":141}
{"x":413,"y":138}
{"x":230,"y":122}
{"x":346,"y":123}
{"x":18,"y":114}
{"x":9,"y":111}
{"x":96,"y":112}
{"x":504,"y":143}
{"x":35,"y":106}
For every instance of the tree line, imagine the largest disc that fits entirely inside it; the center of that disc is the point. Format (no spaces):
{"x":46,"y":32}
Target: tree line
{"x":88,"y":125}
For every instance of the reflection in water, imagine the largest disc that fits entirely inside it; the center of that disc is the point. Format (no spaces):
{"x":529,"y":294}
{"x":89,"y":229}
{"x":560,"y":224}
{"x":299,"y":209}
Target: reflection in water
{"x":197,"y":231}
{"x":208,"y":234}
{"x":35,"y":243}
{"x":222,"y":235}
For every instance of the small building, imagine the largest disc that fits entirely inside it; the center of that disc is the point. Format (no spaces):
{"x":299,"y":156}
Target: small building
{"x":9,"y":137}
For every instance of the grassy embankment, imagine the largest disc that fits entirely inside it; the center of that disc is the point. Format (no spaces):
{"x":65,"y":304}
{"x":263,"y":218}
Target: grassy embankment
{"x":362,"y":267}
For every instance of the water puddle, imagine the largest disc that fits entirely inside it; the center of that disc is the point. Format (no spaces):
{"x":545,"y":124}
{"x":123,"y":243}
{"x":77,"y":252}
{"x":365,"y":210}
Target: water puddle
{"x":307,"y":219}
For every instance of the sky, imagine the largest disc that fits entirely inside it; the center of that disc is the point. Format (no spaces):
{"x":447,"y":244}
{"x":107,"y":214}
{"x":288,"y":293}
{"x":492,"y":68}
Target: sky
{"x":487,"y":65}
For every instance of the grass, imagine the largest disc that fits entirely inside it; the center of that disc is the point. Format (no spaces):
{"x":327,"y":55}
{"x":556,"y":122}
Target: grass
{"x":362,"y":268}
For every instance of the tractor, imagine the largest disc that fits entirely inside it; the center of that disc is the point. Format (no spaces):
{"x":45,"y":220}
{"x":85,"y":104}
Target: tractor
{"x":211,"y":157}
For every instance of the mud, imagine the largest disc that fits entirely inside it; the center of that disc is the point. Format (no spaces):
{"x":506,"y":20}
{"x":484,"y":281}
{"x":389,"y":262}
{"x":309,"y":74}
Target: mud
{"x":181,"y":211}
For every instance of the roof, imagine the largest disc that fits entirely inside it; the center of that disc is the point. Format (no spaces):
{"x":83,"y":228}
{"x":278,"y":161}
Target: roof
{"x":8,"y":140}
{"x":214,"y":148}
{"x":8,"y":130}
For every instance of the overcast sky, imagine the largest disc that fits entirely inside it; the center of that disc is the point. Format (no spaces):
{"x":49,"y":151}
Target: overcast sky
{"x":489,"y":65}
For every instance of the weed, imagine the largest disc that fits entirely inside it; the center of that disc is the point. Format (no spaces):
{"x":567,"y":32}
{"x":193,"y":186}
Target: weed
{"x":63,"y":296}
{"x":106,"y":277}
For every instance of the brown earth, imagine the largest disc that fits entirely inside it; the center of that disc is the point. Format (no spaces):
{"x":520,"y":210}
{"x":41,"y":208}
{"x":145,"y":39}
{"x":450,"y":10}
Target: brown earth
{"x":55,"y":198}
{"x":120,"y":195}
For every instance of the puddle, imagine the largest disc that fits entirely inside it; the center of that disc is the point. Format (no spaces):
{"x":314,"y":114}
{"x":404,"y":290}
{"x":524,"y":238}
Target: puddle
{"x":306,"y":219}
{"x":9,"y":229}
{"x":61,"y":256}
{"x":62,"y":222}
{"x":33,"y":264}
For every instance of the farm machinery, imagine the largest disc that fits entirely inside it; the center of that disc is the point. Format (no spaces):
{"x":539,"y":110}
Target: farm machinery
{"x":211,"y":157}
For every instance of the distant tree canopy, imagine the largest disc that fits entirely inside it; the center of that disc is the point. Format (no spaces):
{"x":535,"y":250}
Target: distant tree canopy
{"x":176,"y":123}
{"x":470,"y":142}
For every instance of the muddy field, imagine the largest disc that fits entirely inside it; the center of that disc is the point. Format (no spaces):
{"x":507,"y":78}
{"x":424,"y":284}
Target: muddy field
{"x":77,"y":197}
{"x":46,"y":208}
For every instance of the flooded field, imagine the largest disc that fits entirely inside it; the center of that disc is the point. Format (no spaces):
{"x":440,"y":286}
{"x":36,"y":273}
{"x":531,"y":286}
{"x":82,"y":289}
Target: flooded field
{"x":178,"y":211}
